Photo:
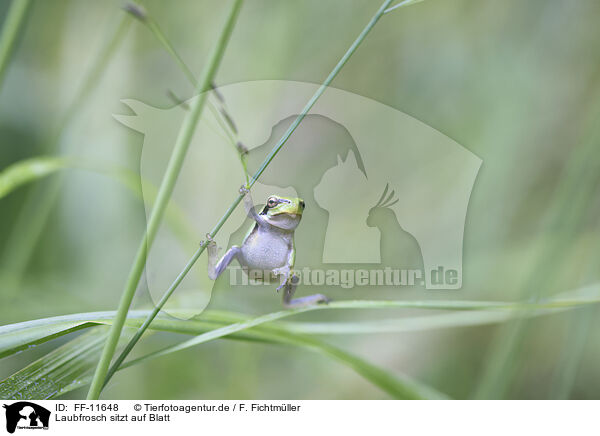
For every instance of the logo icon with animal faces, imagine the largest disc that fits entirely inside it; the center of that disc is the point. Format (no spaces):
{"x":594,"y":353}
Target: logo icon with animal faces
{"x":26,"y":415}
{"x":382,"y":189}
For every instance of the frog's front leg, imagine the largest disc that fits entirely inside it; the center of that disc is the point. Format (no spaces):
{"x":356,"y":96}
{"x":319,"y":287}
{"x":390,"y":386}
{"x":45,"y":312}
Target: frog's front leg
{"x":249,"y":206}
{"x":216,"y":268}
{"x":288,"y":293}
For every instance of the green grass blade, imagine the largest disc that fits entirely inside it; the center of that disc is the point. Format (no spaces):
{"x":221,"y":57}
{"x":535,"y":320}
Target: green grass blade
{"x":164,"y":194}
{"x":46,"y":378}
{"x":398,"y":386}
{"x":20,"y":336}
{"x":58,"y":372}
{"x":401,"y":5}
{"x":441,"y":305}
{"x":29,"y":170}
{"x":69,"y":367}
{"x":10,"y":31}
{"x":408,"y":324}
{"x":51,"y":375}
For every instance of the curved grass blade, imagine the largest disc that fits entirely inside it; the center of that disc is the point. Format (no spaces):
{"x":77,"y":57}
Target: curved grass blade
{"x":398,"y":386}
{"x":58,"y":372}
{"x":69,"y":366}
{"x":442,"y":305}
{"x":20,"y":336}
{"x":25,"y":171}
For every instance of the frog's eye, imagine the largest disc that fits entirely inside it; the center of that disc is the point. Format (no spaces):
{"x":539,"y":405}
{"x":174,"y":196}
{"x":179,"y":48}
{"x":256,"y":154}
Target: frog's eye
{"x":272,"y":202}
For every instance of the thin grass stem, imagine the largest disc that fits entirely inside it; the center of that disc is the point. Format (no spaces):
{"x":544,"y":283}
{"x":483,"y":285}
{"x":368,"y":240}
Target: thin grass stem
{"x":400,"y":5}
{"x":10,"y":31}
{"x":238,"y":199}
{"x":223,"y":120}
{"x":182,"y":144}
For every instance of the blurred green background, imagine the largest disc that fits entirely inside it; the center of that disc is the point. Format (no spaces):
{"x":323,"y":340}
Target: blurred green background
{"x":517,"y":83}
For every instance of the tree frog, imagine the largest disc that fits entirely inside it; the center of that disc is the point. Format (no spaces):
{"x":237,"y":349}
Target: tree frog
{"x":268,"y":246}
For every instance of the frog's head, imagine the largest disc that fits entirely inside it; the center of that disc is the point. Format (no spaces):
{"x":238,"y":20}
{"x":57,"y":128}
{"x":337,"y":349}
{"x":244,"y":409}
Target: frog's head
{"x":283,"y":212}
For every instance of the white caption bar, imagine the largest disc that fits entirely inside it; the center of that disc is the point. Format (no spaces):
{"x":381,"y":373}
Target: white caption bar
{"x":299,"y":417}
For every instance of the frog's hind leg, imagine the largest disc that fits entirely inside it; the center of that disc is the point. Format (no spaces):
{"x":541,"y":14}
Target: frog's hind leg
{"x":288,"y":293}
{"x":216,"y":268}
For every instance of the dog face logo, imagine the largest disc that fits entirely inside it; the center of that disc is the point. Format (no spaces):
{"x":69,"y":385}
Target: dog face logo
{"x":26,"y":415}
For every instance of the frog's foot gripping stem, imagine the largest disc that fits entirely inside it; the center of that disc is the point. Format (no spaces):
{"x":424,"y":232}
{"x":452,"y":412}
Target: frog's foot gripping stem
{"x":249,"y":204}
{"x":216,"y":268}
{"x":209,"y":241}
{"x":290,"y":288}
{"x":285,"y":274}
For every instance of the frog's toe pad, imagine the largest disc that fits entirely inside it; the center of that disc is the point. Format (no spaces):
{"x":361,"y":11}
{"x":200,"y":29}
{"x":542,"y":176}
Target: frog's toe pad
{"x":322,"y":299}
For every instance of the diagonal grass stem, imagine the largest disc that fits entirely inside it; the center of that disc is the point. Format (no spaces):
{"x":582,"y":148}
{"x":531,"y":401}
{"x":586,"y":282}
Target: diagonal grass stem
{"x":166,"y":189}
{"x":10,"y":31}
{"x":114,"y":367}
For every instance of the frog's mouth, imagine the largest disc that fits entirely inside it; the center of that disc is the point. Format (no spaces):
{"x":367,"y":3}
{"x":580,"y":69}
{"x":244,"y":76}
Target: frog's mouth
{"x":290,"y":211}
{"x":297,"y":213}
{"x":285,"y":220}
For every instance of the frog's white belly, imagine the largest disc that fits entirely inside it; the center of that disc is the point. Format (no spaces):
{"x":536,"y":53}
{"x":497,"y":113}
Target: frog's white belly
{"x":265,"y":250}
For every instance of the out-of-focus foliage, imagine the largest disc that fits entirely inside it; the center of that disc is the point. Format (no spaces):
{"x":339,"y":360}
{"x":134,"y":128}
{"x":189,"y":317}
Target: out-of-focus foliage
{"x":514,"y":82}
